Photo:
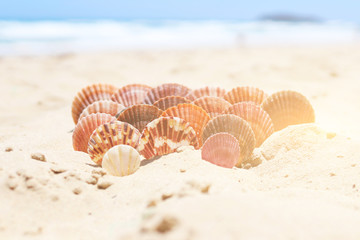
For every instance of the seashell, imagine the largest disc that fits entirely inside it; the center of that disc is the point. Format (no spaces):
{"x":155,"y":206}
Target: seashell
{"x":221,"y":149}
{"x":194,"y":115}
{"x":245,"y":94}
{"x":131,"y":94}
{"x":102,"y":106}
{"x":139,"y":115}
{"x":164,"y":135}
{"x":206,"y":91}
{"x":121,"y":160}
{"x":88,"y":95}
{"x":258,"y":119}
{"x":212,"y":105}
{"x":164,"y":90}
{"x":288,"y":108}
{"x":237,"y":127}
{"x":86,"y":126}
{"x":111,"y":134}
{"x":170,"y":101}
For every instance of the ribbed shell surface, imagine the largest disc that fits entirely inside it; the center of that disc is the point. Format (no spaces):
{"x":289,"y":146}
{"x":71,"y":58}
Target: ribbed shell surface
{"x":212,"y":105}
{"x":258,"y":119}
{"x":194,"y":115}
{"x":139,"y":115}
{"x":237,"y":127}
{"x":288,"y":108}
{"x":86,"y":126}
{"x":131,"y":94}
{"x":164,"y":135}
{"x":206,"y":91}
{"x":111,"y":134}
{"x":170,"y":101}
{"x":88,"y":95}
{"x":164,"y":90}
{"x":245,"y":94}
{"x":102,"y":106}
{"x":121,"y":160}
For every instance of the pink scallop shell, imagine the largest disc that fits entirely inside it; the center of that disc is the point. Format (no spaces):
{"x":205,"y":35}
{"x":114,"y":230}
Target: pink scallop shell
{"x":164,"y":135}
{"x":170,"y":101}
{"x":131,"y":94}
{"x":164,"y":90}
{"x":88,"y":95}
{"x":86,"y":126}
{"x":102,"y":106}
{"x":206,"y":91}
{"x":245,"y":94}
{"x":212,"y":105}
{"x":221,"y":149}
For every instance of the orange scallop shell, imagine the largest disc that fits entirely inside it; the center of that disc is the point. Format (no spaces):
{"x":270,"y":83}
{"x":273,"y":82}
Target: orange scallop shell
{"x":288,"y":108}
{"x":206,"y":91}
{"x":164,"y":90}
{"x":170,"y":101}
{"x":131,"y":94}
{"x":221,"y":149}
{"x":258,"y":119}
{"x":237,"y":127}
{"x":194,"y":115}
{"x":111,"y":134}
{"x":245,"y":94}
{"x":88,"y":95}
{"x":212,"y":105}
{"x":102,"y":106}
{"x":164,"y":135}
{"x":139,"y":115}
{"x":86,"y":126}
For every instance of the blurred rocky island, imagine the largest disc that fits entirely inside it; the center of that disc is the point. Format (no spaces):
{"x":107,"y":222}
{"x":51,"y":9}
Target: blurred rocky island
{"x":289,"y":17}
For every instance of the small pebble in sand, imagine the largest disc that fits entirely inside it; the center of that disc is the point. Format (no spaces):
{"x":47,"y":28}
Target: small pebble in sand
{"x":104,"y":184}
{"x":330,"y":135}
{"x":152,"y":203}
{"x":99,"y":171}
{"x":354,"y":186}
{"x":57,"y":169}
{"x":166,"y":196}
{"x":38,"y":156}
{"x":9,"y":149}
{"x":12,"y":183}
{"x":31,"y":184}
{"x":91,"y":180}
{"x":166,"y":224}
{"x":77,"y":190}
{"x":182,"y":170}
{"x":332,"y":174}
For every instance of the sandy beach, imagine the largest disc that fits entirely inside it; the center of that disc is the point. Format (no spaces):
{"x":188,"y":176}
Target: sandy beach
{"x":307,"y":186}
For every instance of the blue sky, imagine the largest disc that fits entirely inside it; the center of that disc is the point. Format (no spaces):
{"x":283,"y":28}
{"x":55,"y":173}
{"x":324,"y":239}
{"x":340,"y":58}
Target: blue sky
{"x":169,"y":9}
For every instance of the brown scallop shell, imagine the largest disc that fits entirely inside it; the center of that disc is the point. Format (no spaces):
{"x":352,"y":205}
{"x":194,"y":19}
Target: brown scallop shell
{"x":111,"y":134}
{"x":86,"y":126}
{"x":212,"y":105}
{"x":237,"y":127}
{"x":164,"y":90}
{"x":206,"y":91}
{"x":245,"y":94}
{"x":164,"y":135}
{"x":221,"y":149}
{"x":194,"y":115}
{"x":102,"y":106}
{"x":170,"y":101}
{"x":258,"y":119}
{"x":88,"y":95}
{"x":131,"y":94}
{"x":139,"y":115}
{"x":288,"y":108}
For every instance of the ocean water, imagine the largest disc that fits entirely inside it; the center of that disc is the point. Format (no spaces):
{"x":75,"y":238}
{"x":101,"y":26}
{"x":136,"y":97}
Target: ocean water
{"x":55,"y":37}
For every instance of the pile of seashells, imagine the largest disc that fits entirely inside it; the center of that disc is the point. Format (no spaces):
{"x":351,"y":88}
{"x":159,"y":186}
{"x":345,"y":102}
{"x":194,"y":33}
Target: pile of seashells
{"x":115,"y":126}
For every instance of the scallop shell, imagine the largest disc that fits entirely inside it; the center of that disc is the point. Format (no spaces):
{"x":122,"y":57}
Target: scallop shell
{"x":194,"y":115}
{"x":170,"y":101}
{"x":111,"y":134}
{"x":164,"y":90}
{"x":86,"y":126}
{"x":206,"y":91}
{"x":164,"y":135}
{"x":139,"y":115}
{"x":237,"y":127}
{"x":131,"y":94}
{"x":221,"y":149}
{"x":212,"y":105}
{"x":102,"y":106}
{"x":258,"y":119}
{"x":121,"y":160}
{"x":245,"y":94}
{"x":88,"y":95}
{"x":288,"y":108}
